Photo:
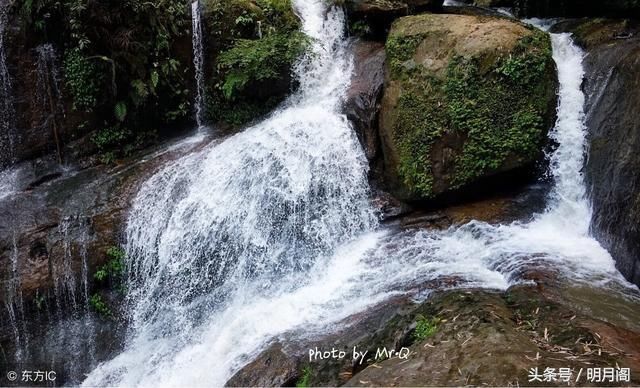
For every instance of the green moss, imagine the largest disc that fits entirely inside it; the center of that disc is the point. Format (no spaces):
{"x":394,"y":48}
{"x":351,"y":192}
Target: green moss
{"x":494,"y":115}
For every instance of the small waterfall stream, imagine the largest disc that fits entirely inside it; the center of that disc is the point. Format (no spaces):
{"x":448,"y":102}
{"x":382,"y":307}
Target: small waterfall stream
{"x":270,"y":232}
{"x":48,"y":95}
{"x":198,"y":61}
{"x":7,"y":111}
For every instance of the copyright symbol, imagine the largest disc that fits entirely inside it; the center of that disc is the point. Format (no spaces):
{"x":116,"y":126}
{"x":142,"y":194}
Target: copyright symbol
{"x":12,"y":376}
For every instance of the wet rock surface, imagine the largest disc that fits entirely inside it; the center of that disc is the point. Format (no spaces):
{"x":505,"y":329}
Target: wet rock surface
{"x":613,"y":62}
{"x":364,"y":94}
{"x":480,"y":337}
{"x":59,"y":224}
{"x":378,"y":15}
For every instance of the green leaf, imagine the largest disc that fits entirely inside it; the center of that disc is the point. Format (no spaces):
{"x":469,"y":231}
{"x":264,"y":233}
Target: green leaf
{"x":120,"y":110}
{"x":154,"y":78}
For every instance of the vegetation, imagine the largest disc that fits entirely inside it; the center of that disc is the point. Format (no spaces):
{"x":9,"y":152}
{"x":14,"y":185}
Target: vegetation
{"x":494,"y":114}
{"x":110,"y":274}
{"x":258,"y":41}
{"x":425,"y":328}
{"x":114,"y":268}
{"x":304,"y":381}
{"x":259,"y":60}
{"x":126,"y":71}
{"x":98,"y":305}
{"x":121,"y":63}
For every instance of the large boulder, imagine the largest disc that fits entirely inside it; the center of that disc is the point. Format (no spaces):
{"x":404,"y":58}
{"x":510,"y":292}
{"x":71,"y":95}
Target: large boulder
{"x":466,"y":98}
{"x":613,"y":166}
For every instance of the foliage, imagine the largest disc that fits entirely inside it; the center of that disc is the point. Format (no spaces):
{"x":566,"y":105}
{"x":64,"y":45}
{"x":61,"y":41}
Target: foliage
{"x":304,"y":381}
{"x":124,"y":61}
{"x":82,"y":80}
{"x":258,"y":42}
{"x":400,"y":50}
{"x":114,"y":267}
{"x":494,"y":115}
{"x":120,"y":60}
{"x":360,"y":28}
{"x":259,"y":60}
{"x":529,"y":60}
{"x":425,"y":328}
{"x":100,"y":306}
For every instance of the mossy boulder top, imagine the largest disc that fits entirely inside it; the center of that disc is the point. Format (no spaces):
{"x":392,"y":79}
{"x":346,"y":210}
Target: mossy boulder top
{"x":466,"y":98}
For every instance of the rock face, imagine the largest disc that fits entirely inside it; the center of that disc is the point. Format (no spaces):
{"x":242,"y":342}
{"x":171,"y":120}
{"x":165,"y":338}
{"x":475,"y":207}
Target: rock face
{"x":364,"y":94}
{"x":378,"y":15}
{"x":573,"y":8}
{"x":466,"y":98}
{"x":613,"y":166}
{"x":57,"y":227}
{"x":473,"y":337}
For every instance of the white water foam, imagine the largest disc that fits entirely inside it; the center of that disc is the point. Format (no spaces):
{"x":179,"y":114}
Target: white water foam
{"x":269,"y":234}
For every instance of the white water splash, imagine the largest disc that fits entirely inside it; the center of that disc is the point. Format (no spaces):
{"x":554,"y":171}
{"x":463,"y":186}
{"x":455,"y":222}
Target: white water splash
{"x":262,"y":236}
{"x":198,"y":61}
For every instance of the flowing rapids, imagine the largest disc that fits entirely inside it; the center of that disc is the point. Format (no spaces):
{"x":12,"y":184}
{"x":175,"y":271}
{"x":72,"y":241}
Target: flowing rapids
{"x":270,"y":232}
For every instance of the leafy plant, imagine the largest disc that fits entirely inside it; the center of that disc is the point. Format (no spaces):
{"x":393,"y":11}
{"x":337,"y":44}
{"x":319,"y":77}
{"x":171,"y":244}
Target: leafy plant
{"x":81,"y":79}
{"x":259,"y":60}
{"x":114,"y":266}
{"x":425,"y":328}
{"x":304,"y":381}
{"x":98,"y":305}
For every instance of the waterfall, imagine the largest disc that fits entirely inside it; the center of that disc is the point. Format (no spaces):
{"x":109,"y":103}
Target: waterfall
{"x":15,"y":307}
{"x":242,"y":220}
{"x":64,"y":282}
{"x":270,"y":234}
{"x":48,"y":92}
{"x":7,"y":111}
{"x":198,"y":61}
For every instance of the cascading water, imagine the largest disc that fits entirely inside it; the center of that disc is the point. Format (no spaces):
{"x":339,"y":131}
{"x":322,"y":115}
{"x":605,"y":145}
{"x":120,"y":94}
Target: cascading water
{"x":198,"y":61}
{"x":243,"y":219}
{"x":270,"y":232}
{"x":48,"y":92}
{"x":7,"y":112}
{"x":15,"y":306}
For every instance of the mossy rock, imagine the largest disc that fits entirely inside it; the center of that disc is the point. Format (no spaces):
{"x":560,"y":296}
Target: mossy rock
{"x":467,"y":97}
